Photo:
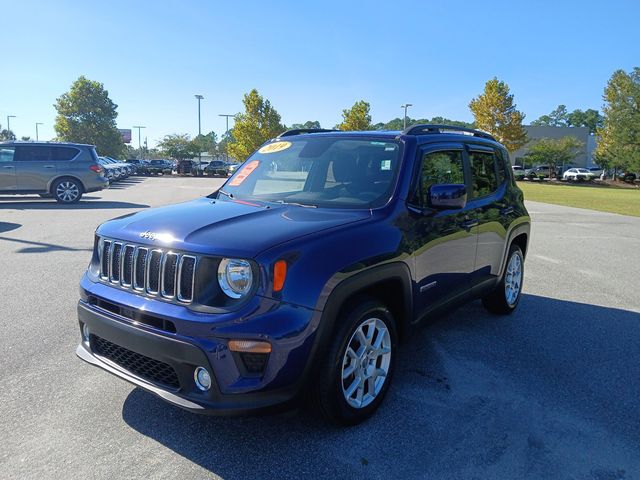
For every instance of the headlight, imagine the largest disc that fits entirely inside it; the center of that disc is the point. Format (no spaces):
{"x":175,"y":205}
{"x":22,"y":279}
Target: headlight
{"x":235,"y":277}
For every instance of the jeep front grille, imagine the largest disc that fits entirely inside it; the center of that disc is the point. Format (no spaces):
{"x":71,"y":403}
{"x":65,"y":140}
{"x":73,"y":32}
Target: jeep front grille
{"x":151,"y":271}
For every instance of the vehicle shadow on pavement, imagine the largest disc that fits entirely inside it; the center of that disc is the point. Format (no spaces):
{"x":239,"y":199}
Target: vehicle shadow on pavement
{"x":522,"y":396}
{"x":8,"y":226}
{"x":123,"y":184}
{"x":30,"y":204}
{"x":40,"y":247}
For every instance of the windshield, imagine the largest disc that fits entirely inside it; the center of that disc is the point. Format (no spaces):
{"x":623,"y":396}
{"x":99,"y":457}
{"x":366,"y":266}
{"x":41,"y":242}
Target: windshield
{"x":320,"y":171}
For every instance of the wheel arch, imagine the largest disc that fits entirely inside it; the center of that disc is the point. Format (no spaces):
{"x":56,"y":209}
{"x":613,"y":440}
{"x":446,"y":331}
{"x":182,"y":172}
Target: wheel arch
{"x":389,"y":283}
{"x":55,"y":179}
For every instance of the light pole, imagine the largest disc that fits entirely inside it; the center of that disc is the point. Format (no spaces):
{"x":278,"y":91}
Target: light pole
{"x":405,"y":106}
{"x":139,"y":127}
{"x":37,"y":123}
{"x":199,"y":97}
{"x":226,"y":132}
{"x":9,"y":117}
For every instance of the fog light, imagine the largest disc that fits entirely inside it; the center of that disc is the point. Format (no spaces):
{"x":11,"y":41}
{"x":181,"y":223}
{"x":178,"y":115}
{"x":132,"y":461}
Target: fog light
{"x":85,"y":332}
{"x":202,"y":378}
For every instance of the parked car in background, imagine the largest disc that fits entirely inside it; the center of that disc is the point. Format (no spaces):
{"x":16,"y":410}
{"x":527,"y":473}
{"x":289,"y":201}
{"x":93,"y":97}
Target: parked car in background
{"x":112,"y":172}
{"x":518,"y":172}
{"x":233,"y":167}
{"x":217,"y":168}
{"x":139,"y":164}
{"x":161,"y":167}
{"x":538,"y":173}
{"x":198,"y":168}
{"x":597,"y":171}
{"x":122,"y":168}
{"x":128,"y":168}
{"x":628,"y":177}
{"x":301,"y":284}
{"x":64,"y":171}
{"x":578,"y":175}
{"x":185,"y":167}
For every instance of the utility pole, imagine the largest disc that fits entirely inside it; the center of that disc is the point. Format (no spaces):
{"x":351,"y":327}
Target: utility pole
{"x":9,"y":117}
{"x":405,"y":106}
{"x":37,"y":123}
{"x":139,"y":127}
{"x":226,"y":155}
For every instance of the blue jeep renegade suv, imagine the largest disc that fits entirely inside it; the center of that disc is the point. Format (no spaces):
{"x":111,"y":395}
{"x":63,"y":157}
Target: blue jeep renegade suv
{"x":301,"y":275}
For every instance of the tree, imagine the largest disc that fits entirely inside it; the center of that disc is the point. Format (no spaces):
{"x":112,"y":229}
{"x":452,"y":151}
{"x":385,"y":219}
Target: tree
{"x":223,"y":144}
{"x":554,"y":152}
{"x":86,"y":114}
{"x":307,"y":125}
{"x":590,"y":118}
{"x":557,"y":118}
{"x":6,"y":134}
{"x":178,"y":146}
{"x":25,"y":139}
{"x":560,"y":117}
{"x":356,"y":117}
{"x":398,"y":123}
{"x":495,"y":112}
{"x":206,"y":143}
{"x":259,"y":122}
{"x":619,"y":138}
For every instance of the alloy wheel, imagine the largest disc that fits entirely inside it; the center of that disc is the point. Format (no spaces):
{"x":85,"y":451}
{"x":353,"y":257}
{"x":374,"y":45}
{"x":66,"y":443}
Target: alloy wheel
{"x":366,"y":362}
{"x":67,"y":191}
{"x":513,"y":279}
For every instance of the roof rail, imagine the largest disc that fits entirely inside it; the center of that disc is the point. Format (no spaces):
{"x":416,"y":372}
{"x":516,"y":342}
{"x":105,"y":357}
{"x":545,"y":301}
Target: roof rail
{"x":423,"y":129}
{"x":300,"y":131}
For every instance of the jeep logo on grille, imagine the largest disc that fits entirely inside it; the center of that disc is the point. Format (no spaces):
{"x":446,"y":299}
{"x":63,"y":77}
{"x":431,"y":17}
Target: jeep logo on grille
{"x":149,"y":235}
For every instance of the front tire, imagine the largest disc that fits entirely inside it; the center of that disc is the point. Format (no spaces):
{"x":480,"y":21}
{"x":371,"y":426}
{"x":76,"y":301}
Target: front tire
{"x":67,"y":191}
{"x":356,"y":372}
{"x":506,"y":296}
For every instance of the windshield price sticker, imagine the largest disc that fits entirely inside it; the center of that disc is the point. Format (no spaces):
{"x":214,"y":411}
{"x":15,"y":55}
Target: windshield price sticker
{"x":275,"y":147}
{"x":244,"y":173}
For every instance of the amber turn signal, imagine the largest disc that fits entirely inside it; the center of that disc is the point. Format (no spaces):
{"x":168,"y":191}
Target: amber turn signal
{"x":250,"y":346}
{"x":279,"y":275}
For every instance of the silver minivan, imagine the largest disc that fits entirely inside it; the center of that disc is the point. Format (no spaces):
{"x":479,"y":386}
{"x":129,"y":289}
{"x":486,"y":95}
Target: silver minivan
{"x":63,"y":171}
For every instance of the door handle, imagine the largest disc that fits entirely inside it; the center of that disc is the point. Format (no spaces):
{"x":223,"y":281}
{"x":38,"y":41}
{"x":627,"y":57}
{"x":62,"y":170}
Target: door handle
{"x":7,"y":166}
{"x":506,"y":211}
{"x":49,"y":166}
{"x":468,"y":224}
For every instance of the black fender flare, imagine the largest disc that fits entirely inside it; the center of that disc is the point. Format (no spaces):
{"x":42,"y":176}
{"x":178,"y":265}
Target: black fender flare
{"x":359,"y":282}
{"x":523,"y":227}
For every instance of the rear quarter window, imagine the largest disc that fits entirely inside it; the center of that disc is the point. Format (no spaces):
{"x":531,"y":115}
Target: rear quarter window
{"x":64,"y":154}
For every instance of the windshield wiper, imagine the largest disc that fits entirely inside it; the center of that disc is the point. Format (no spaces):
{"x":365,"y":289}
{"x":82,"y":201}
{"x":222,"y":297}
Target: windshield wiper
{"x":306,"y":205}
{"x":226,"y":194}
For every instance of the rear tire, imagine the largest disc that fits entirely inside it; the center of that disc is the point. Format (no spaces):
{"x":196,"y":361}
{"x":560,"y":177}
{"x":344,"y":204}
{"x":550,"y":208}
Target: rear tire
{"x":506,"y":296}
{"x":67,"y":191}
{"x":356,"y":371}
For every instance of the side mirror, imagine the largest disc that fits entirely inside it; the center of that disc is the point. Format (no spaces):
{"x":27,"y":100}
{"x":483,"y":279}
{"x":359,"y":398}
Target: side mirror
{"x":447,"y":196}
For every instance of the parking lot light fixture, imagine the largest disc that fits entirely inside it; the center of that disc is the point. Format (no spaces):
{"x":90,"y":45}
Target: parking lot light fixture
{"x":9,"y":117}
{"x":139,"y":127}
{"x":405,"y":106}
{"x":38,"y":123}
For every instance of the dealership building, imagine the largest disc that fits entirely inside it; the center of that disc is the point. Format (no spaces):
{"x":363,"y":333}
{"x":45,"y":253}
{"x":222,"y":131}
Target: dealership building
{"x":583,"y":159}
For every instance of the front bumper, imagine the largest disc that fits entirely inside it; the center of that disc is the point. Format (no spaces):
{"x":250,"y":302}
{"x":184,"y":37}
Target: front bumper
{"x":230,"y":393}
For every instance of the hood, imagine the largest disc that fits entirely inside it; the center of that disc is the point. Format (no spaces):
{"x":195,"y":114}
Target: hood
{"x":225,"y":227}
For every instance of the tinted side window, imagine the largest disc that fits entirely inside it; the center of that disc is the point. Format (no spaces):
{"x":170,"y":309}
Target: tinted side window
{"x":483,"y":171}
{"x":6,"y":154}
{"x":63,"y":154}
{"x":438,"y":167}
{"x":33,"y":153}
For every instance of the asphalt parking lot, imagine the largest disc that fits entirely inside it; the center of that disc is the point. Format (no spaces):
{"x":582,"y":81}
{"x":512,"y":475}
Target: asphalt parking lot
{"x":550,"y":392}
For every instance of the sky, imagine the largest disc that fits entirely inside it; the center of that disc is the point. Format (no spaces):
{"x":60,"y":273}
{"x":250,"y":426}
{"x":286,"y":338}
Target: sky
{"x":310,"y":59}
